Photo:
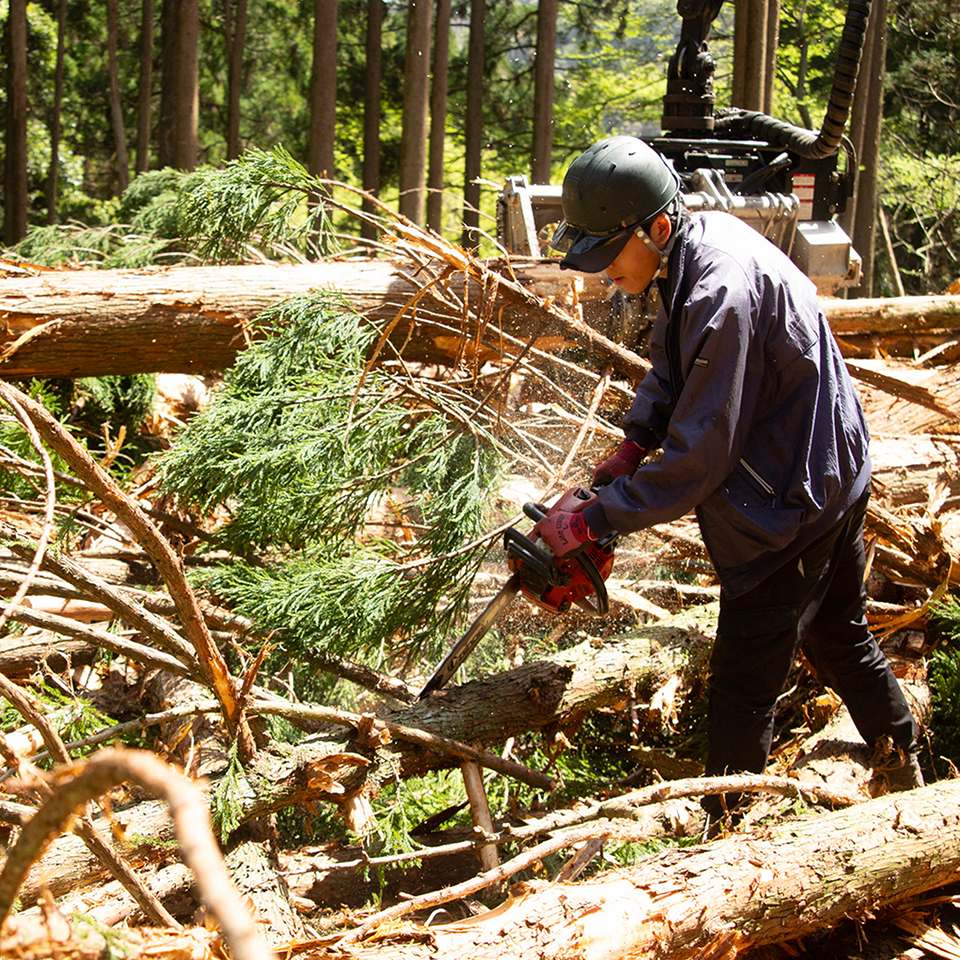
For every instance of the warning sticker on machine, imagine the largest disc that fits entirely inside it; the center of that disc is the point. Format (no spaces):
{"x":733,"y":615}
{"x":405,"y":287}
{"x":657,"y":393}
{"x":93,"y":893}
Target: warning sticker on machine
{"x":803,"y":184}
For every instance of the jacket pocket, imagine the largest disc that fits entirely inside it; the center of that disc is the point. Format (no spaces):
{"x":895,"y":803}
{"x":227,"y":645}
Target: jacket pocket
{"x":761,"y":483}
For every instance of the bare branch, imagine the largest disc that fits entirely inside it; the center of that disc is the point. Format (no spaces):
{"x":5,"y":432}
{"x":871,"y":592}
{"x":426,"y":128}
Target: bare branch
{"x":83,"y":782}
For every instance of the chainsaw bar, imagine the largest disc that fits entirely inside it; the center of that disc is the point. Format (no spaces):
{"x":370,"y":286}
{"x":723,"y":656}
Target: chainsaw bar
{"x":465,"y":645}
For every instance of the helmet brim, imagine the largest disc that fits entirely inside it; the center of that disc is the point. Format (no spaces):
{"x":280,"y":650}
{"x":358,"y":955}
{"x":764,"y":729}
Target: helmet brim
{"x":588,"y":253}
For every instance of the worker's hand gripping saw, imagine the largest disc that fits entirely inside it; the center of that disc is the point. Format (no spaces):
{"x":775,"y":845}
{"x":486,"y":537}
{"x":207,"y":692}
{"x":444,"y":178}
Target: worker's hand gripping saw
{"x":554,"y":583}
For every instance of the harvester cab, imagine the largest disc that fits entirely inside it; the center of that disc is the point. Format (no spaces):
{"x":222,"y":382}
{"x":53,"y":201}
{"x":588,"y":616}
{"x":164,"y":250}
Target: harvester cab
{"x":782,"y":179}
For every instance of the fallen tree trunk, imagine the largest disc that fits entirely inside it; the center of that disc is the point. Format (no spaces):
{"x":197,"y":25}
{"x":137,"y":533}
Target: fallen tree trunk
{"x":892,"y":315}
{"x":798,"y":877}
{"x":70,"y":323}
{"x":343,"y":764}
{"x":195,"y":319}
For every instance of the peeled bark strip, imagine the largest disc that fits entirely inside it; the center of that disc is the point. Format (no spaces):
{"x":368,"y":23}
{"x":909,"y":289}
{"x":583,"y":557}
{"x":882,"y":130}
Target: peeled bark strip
{"x":801,"y":876}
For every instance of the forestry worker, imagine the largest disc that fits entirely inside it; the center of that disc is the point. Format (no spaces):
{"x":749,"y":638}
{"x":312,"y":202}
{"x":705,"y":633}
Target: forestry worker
{"x":758,"y":429}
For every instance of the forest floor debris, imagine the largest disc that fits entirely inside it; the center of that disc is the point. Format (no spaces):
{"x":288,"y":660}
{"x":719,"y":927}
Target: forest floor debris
{"x":915,"y":536}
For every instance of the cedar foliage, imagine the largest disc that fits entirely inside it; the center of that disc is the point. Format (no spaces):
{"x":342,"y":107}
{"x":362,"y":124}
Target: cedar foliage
{"x":302,"y":447}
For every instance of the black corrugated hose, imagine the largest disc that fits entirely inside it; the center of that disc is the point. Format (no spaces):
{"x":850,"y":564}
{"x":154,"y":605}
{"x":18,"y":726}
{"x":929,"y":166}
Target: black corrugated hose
{"x":752,"y":125}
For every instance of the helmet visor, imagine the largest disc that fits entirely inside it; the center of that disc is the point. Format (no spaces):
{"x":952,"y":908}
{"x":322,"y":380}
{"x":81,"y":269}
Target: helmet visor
{"x":588,"y":253}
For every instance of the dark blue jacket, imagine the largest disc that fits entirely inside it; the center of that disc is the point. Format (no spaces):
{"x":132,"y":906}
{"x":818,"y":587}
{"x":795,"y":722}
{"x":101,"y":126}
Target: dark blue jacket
{"x":759,"y":423}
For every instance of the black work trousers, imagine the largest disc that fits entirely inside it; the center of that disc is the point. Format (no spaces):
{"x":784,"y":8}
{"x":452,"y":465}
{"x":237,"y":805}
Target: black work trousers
{"x":815,"y":602}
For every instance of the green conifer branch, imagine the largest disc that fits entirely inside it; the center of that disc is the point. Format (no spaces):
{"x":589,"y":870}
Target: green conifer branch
{"x":327,"y":508}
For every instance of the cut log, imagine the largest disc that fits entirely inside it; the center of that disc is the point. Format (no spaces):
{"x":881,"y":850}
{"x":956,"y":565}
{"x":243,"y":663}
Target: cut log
{"x":21,"y":655}
{"x":798,"y":877}
{"x":345,"y":762}
{"x":74,"y":323}
{"x":69,"y":323}
{"x":892,"y":315}
{"x":908,"y":469}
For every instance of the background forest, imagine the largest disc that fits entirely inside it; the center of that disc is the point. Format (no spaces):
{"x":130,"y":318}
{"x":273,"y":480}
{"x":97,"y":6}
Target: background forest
{"x":431,"y":105}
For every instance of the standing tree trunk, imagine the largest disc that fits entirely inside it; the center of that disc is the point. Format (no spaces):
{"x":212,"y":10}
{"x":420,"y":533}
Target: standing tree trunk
{"x":116,"y":107}
{"x":750,"y":54}
{"x":543,"y":91}
{"x":236,"y":34}
{"x":371,"y":114}
{"x":15,"y":139}
{"x":416,"y":101}
{"x":866,"y":119}
{"x":53,"y":177}
{"x":800,"y":94}
{"x":180,"y":94}
{"x":145,"y":85}
{"x":323,"y":89}
{"x":438,"y":116}
{"x":770,"y":65}
{"x":473,"y":146}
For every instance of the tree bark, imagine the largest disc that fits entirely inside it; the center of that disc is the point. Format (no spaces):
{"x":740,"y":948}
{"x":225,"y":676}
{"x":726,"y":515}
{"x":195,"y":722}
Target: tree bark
{"x":859,"y":219}
{"x":540,"y":167}
{"x":236,"y":35}
{"x":53,"y":177}
{"x":323,"y":89}
{"x":795,"y":878}
{"x":180,"y":93}
{"x":145,"y":86}
{"x":192,"y":319}
{"x":438,"y":116}
{"x":416,"y":103}
{"x":473,"y":125}
{"x":770,"y":67}
{"x":15,"y":187}
{"x":371,"y":115}
{"x":255,"y":871}
{"x":751,"y":57}
{"x":187,"y":109}
{"x":116,"y":106}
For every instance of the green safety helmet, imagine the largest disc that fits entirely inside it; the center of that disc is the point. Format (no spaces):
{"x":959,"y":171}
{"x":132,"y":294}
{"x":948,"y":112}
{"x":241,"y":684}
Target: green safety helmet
{"x":610,"y":190}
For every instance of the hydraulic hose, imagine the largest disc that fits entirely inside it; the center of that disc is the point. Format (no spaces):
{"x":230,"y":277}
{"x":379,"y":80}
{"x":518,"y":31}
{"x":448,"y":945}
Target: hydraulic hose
{"x":752,"y":125}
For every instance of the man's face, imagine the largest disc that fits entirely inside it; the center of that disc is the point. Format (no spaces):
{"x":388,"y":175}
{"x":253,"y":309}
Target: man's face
{"x":635,"y":266}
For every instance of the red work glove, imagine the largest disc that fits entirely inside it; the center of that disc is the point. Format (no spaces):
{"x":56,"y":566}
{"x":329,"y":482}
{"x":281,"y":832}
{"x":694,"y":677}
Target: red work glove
{"x":624,"y":461}
{"x":563,"y":532}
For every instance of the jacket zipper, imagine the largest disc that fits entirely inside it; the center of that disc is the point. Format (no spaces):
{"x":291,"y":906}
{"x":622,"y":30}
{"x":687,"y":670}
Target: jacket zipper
{"x":756,"y":476}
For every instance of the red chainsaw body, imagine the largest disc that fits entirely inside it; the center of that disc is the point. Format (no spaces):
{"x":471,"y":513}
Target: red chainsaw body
{"x":554,"y":583}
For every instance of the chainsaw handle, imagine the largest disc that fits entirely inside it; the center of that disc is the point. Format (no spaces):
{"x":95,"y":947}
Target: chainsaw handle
{"x":537,"y":512}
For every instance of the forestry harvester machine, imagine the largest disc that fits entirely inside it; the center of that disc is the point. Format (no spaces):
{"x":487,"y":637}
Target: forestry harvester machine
{"x":782,"y":179}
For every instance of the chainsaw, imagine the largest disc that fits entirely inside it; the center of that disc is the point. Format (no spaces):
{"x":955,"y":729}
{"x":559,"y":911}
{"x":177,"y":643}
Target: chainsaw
{"x":552,"y":583}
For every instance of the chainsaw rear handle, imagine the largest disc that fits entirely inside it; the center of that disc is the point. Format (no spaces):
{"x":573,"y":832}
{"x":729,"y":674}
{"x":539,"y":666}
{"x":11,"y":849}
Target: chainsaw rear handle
{"x":537,"y":512}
